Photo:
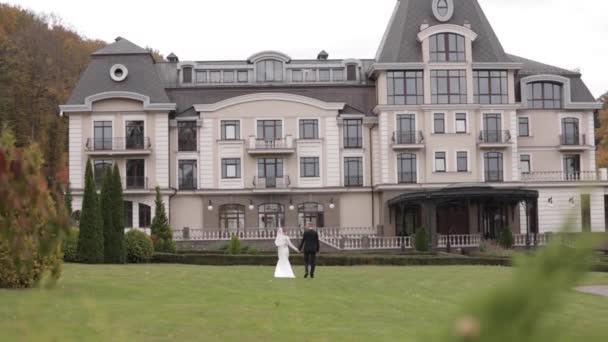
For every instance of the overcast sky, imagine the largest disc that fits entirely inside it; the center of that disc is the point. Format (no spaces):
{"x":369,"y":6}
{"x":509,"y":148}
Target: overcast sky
{"x":565,"y":33}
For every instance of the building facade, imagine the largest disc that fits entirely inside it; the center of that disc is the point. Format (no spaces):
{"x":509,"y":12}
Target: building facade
{"x":442,"y":129}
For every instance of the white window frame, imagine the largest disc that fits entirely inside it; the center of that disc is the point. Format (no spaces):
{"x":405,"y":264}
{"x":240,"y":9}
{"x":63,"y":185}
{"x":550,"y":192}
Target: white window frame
{"x":446,"y":161}
{"x":529,"y":163}
{"x":466,"y":123}
{"x":219,"y":130}
{"x":308,"y":118}
{"x":468,"y":170}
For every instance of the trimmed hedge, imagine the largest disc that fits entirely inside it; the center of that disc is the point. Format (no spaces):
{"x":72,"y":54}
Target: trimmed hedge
{"x":69,"y":245}
{"x":326,"y":260}
{"x":138,"y":246}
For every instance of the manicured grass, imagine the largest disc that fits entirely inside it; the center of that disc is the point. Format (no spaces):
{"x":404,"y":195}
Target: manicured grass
{"x":183,"y":303}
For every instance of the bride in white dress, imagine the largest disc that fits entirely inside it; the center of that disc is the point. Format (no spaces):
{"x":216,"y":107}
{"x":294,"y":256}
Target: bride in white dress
{"x":283,"y":244}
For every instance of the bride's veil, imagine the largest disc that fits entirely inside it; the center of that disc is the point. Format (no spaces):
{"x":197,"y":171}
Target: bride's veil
{"x":280,"y":239}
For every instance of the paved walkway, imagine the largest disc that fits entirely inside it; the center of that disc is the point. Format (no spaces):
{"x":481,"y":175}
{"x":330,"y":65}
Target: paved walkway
{"x":596,"y":290}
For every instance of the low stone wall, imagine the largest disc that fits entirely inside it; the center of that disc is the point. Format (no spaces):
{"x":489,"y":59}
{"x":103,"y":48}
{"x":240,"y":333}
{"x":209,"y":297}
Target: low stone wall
{"x":259,"y":245}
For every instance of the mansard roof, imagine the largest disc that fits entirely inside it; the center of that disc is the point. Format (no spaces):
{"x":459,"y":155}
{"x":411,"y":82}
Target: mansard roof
{"x":400,"y":43}
{"x":121,"y":46}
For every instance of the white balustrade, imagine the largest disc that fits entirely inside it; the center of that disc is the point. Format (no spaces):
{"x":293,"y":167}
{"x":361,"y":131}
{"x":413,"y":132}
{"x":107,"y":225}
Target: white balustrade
{"x":458,"y":241}
{"x":393,"y":242}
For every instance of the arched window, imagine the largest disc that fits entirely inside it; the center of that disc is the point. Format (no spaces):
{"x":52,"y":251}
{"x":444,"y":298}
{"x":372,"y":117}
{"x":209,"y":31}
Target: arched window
{"x":493,"y":167}
{"x":187,"y":75}
{"x":544,"y":95}
{"x":311,"y":213}
{"x":271,"y":215}
{"x":269,"y":70}
{"x":447,"y":47}
{"x":100,"y":167}
{"x":232,"y":216}
{"x":570,"y":132}
{"x":406,"y":165}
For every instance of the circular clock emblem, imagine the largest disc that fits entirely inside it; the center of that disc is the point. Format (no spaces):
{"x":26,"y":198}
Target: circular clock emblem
{"x":118,"y":72}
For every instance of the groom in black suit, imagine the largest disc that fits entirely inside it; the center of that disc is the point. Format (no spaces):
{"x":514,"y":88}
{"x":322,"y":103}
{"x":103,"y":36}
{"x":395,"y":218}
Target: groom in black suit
{"x":310,"y":247}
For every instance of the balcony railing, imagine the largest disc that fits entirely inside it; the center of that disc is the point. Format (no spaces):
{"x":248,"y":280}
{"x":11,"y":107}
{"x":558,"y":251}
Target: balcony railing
{"x":560,"y":176}
{"x":356,"y":142}
{"x":353,"y":180}
{"x":135,"y":183}
{"x":572,"y":140}
{"x":408,"y":137}
{"x":270,"y":145}
{"x":495,"y":137}
{"x":407,"y":177}
{"x":118,"y":144}
{"x":271,"y":182}
{"x":187,"y":183}
{"x":494,"y":176}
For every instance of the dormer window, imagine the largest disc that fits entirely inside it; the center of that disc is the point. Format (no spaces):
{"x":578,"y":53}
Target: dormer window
{"x":187,"y":75}
{"x":544,"y":95}
{"x":269,"y":70}
{"x":351,"y":72}
{"x":447,"y":47}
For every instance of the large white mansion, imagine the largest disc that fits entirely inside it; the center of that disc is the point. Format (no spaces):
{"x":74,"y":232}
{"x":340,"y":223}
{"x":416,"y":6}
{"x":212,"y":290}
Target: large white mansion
{"x":442,"y":129}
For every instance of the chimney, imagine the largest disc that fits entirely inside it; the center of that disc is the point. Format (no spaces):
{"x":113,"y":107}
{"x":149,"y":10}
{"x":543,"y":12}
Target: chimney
{"x":172,"y":58}
{"x":323,"y":55}
{"x":119,"y":38}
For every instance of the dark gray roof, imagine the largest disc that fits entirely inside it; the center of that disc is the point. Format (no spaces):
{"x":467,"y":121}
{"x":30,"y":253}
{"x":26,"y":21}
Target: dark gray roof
{"x":401,"y":42}
{"x":578,"y":90}
{"x":359,"y":99}
{"x":142,"y":78}
{"x":121,"y":47}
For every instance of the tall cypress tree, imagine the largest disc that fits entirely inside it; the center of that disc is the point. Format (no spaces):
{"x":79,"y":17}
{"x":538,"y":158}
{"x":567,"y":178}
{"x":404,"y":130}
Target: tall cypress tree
{"x":161,"y":231}
{"x":68,"y":199}
{"x":119,"y":255}
{"x":106,"y":216}
{"x":90,"y":239}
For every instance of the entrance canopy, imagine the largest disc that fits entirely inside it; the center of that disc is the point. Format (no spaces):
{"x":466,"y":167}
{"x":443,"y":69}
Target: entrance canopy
{"x":464,"y":192}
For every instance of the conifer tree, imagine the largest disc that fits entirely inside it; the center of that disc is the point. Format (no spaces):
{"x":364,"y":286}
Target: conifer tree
{"x":161,"y":231}
{"x":90,"y":238}
{"x":68,"y":199}
{"x":119,"y":252}
{"x":106,"y":206}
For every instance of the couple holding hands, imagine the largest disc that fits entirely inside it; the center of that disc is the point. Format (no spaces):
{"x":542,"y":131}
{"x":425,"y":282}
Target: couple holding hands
{"x":309,"y":246}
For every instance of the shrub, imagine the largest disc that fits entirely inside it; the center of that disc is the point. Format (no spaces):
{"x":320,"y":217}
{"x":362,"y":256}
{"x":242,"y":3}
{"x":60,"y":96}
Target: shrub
{"x":138,"y":247}
{"x":31,"y":222}
{"x":161,"y":231}
{"x":506,"y":239}
{"x":234,"y":247}
{"x":90,"y":239}
{"x":69,"y":245}
{"x":113,"y":225}
{"x":421,"y":241}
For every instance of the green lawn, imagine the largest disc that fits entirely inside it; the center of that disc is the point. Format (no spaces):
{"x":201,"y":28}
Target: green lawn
{"x":183,"y":303}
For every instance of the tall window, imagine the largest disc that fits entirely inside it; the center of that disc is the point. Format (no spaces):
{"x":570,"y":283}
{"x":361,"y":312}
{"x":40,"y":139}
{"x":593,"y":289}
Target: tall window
{"x":186,"y":135}
{"x":102,"y":135}
{"x":337,"y":75}
{"x":324,"y":75}
{"x":136,"y":178}
{"x":524,"y":163}
{"x":523,"y":126}
{"x":572,"y":166}
{"x":461,"y":122}
{"x":406,"y":129}
{"x":440,"y":162}
{"x":462,"y":161}
{"x":231,"y":168}
{"x":309,"y":129}
{"x":493,"y":167}
{"x":232,"y":216}
{"x":448,"y":87}
{"x":439,"y":123}
{"x":242,"y":76}
{"x":570,"y":132}
{"x":406,"y":166}
{"x":492,"y":128}
{"x":269,"y":70}
{"x":271,"y":215}
{"x":201,"y":77}
{"x":187,"y":74}
{"x":127,"y":207}
{"x":135,"y":134}
{"x":544,"y":95}
{"x":490,"y":87}
{"x":145,"y":214}
{"x":351,"y":72}
{"x":353,"y":171}
{"x":187,"y":174}
{"x":405,"y":87}
{"x":309,"y":167}
{"x":447,"y":47}
{"x":270,"y":172}
{"x":311,"y":213}
{"x":215,"y":76}
{"x":270,"y":130}
{"x":229,"y":76}
{"x":297,"y":76}
{"x":100,"y":167}
{"x":230,"y":130}
{"x":353,"y":133}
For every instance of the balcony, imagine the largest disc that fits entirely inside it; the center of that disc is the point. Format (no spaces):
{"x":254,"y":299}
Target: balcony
{"x":135,"y":183}
{"x":494,"y":139}
{"x":271,"y":146}
{"x":560,"y":176}
{"x":407,"y":177}
{"x":138,"y":145}
{"x":408,"y":140}
{"x":271,"y":182}
{"x":494,"y":176}
{"x":573,"y":142}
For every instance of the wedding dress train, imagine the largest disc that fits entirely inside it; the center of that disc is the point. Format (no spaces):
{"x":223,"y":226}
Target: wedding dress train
{"x":283,"y":269}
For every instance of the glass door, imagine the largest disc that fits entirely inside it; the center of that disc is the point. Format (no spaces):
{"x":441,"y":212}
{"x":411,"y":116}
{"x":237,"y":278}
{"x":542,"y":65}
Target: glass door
{"x":572,"y":166}
{"x":492,"y":128}
{"x":406,"y":129}
{"x":135,"y":134}
{"x":570,"y":131}
{"x":269,"y":170}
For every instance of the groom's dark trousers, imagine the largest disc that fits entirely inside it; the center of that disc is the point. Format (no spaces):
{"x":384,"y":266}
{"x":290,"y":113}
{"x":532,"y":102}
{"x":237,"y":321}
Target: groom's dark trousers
{"x":310,"y":246}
